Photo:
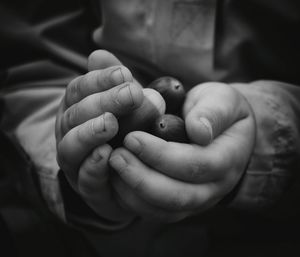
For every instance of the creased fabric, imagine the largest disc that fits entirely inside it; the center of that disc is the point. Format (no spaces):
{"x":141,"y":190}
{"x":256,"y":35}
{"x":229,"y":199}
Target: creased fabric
{"x":45,"y":44}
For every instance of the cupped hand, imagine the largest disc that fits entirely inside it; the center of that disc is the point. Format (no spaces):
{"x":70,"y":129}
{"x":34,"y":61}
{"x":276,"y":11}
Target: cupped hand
{"x":89,"y":119}
{"x":86,"y":121}
{"x":169,"y":180}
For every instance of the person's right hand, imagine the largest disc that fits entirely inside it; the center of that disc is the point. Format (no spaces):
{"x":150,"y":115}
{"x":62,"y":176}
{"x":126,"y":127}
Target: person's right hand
{"x":86,"y":121}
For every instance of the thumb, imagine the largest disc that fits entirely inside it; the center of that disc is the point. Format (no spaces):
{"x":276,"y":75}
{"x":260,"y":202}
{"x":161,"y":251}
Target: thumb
{"x":210,"y":109}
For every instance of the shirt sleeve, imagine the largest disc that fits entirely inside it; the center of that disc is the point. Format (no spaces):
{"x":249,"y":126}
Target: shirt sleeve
{"x":273,"y":170}
{"x":43,"y":47}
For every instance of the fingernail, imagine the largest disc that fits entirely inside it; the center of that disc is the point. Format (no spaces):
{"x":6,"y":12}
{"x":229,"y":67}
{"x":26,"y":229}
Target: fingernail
{"x":156,"y":99}
{"x":117,"y":76}
{"x":117,"y":162}
{"x":133,"y":144}
{"x":125,"y":95}
{"x":98,"y":125}
{"x":96,"y":156}
{"x":208,"y":127}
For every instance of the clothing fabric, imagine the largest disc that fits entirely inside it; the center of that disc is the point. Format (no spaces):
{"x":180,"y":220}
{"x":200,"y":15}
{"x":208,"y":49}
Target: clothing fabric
{"x":45,"y":44}
{"x":228,"y":41}
{"x":27,"y":227}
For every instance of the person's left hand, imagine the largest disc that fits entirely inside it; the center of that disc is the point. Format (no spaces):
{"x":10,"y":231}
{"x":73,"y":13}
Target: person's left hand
{"x":170,"y":181}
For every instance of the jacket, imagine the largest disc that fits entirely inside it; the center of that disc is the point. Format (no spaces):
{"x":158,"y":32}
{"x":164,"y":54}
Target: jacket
{"x":46,"y":44}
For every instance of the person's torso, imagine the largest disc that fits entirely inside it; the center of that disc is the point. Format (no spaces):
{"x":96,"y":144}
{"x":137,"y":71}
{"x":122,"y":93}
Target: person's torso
{"x":204,"y":40}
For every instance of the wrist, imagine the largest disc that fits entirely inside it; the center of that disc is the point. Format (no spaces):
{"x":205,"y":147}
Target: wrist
{"x":274,"y":159}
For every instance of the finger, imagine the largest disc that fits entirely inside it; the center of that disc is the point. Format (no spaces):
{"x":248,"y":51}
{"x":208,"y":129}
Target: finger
{"x":101,"y":59}
{"x":190,"y":163}
{"x":117,"y":100}
{"x":215,"y":163}
{"x":79,"y":141}
{"x":193,"y":163}
{"x":96,"y":81}
{"x":158,"y":189}
{"x":210,"y":109}
{"x":155,"y":98}
{"x":94,"y":185}
{"x":153,"y":105}
{"x":143,"y":117}
{"x":133,"y":203}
